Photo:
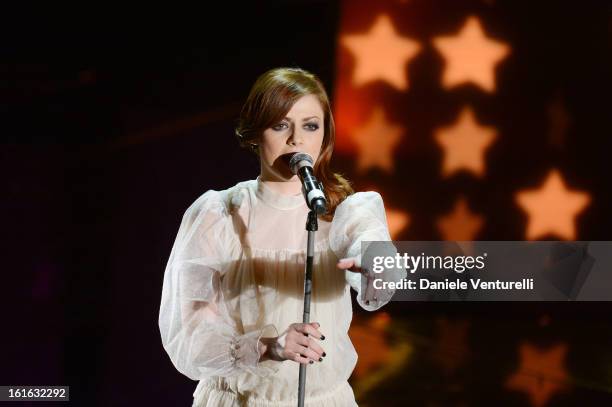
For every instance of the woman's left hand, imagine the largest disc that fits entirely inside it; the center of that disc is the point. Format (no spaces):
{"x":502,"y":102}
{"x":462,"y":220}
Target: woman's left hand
{"x":350,"y":265}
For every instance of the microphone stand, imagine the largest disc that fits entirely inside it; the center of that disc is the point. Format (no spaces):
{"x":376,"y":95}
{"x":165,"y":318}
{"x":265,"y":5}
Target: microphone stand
{"x":311,"y":226}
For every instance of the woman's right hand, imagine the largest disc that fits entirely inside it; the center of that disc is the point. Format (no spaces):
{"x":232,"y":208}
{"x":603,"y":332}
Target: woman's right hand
{"x":298,"y":343}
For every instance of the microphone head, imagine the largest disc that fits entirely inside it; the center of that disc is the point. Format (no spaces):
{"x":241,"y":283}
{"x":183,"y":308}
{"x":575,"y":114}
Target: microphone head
{"x":299,"y":160}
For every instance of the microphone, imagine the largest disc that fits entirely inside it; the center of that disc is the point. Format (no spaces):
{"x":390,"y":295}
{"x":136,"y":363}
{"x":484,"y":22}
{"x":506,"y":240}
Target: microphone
{"x":301,"y":165}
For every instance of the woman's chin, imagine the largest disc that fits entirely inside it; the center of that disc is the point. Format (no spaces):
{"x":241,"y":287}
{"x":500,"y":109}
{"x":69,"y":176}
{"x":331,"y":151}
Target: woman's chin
{"x":284,"y":172}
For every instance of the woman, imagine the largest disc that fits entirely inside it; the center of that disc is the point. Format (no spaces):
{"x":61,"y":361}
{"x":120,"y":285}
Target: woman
{"x":232,"y":294}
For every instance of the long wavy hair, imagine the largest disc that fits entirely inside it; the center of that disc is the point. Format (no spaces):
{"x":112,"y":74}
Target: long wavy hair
{"x":270,"y":99}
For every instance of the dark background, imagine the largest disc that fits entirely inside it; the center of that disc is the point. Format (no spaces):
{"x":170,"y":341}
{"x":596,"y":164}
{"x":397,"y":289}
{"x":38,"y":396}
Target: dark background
{"x":114,"y":122}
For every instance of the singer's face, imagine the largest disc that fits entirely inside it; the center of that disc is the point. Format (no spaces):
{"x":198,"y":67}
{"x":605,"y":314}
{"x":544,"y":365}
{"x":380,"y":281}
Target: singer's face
{"x":301,"y":130}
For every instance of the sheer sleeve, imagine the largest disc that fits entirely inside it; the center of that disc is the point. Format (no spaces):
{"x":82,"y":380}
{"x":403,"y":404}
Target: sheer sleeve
{"x":196,"y":329}
{"x":361,"y":217}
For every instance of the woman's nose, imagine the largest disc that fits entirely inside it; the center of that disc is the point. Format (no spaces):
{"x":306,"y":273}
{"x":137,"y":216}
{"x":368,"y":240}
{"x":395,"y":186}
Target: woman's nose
{"x":296,"y":137}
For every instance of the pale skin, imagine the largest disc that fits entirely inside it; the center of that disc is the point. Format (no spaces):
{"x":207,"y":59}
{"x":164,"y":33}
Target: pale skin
{"x":301,"y":130}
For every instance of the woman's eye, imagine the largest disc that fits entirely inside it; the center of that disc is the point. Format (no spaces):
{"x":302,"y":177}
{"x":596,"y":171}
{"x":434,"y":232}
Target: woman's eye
{"x":279,"y":126}
{"x":312,"y":126}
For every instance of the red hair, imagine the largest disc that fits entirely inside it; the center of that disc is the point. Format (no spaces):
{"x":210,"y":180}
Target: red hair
{"x":270,"y":99}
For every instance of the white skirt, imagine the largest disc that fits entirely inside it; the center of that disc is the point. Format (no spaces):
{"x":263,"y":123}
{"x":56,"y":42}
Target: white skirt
{"x":208,"y":394}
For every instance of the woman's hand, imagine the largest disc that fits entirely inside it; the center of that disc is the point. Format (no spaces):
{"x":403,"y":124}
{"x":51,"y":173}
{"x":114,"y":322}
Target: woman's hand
{"x":297,"y":343}
{"x":350,"y":265}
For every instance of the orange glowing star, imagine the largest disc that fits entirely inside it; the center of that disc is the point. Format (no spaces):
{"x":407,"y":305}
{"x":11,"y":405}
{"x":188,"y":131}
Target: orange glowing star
{"x":371,"y":343}
{"x":460,"y":224}
{"x":552,"y":208}
{"x":398,"y":220}
{"x":381,"y":54}
{"x":464,"y":144}
{"x":541,"y":373}
{"x":376,"y":141}
{"x":470,"y":56}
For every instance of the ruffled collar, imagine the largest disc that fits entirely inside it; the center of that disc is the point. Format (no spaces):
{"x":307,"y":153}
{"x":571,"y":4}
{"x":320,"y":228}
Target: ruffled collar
{"x":276,"y":199}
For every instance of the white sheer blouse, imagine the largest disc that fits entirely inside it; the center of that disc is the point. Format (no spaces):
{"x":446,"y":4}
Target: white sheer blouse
{"x":236,"y":274}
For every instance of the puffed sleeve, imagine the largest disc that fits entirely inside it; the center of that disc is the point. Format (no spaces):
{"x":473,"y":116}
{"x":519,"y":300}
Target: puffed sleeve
{"x":361,"y":217}
{"x":196,"y":329}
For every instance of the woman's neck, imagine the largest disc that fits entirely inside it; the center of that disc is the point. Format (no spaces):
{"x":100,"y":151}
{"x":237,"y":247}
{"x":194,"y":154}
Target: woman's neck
{"x":284,"y":187}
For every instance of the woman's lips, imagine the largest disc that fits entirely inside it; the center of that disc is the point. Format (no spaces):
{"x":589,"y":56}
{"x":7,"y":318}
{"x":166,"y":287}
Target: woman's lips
{"x":287,"y":157}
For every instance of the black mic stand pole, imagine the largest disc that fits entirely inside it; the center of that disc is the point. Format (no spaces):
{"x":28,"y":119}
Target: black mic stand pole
{"x":311,"y":226}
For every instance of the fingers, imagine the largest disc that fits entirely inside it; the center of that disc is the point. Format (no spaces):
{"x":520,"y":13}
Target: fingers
{"x":344,"y":264}
{"x":303,"y":354}
{"x":312,"y":344}
{"x":301,"y":343}
{"x":310,"y":329}
{"x":308,"y":353}
{"x":300,"y":359}
{"x":370,"y":293}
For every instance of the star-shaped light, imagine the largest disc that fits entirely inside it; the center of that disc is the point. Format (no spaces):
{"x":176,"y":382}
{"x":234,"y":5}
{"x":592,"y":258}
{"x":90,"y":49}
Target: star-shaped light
{"x":376,"y":141}
{"x":381,"y":54}
{"x":371,"y":343}
{"x":461,"y":224}
{"x":379,"y":360}
{"x":541,"y":373}
{"x":470,"y":56}
{"x":552,"y":208}
{"x":464,"y":144}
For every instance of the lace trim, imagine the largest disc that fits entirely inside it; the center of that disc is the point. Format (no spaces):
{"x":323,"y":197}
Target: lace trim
{"x":234,"y":347}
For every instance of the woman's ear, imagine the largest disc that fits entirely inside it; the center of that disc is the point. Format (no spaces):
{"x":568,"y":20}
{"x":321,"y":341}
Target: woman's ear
{"x":255,"y":145}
